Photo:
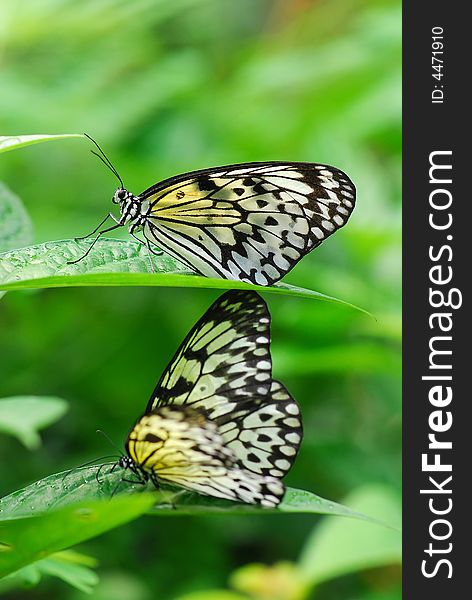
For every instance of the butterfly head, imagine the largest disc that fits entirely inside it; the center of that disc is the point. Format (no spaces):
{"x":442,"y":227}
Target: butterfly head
{"x":119,"y":195}
{"x":126,"y":462}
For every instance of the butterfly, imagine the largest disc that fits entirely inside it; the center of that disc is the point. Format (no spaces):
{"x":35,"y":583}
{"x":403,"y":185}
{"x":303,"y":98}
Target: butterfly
{"x":217,"y":423}
{"x":250,"y":222}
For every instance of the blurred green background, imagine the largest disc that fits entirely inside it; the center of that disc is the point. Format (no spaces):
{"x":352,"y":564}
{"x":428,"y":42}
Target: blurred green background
{"x":166,"y":87}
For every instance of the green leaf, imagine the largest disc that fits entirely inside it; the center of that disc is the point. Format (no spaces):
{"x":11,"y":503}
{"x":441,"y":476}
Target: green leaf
{"x":13,"y":142}
{"x":87,"y":484}
{"x":24,"y":416}
{"x":28,"y":539}
{"x":78,"y":576}
{"x":67,"y":508}
{"x":337,"y":548}
{"x":115,"y":263}
{"x":69,"y":566}
{"x":25,"y":577}
{"x":295,"y":501}
{"x":16,"y":229}
{"x":51,"y":259}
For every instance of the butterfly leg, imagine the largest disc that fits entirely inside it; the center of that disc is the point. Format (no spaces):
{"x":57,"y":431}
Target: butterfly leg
{"x":67,"y":474}
{"x":155,"y":252}
{"x":175,"y":497}
{"x":155,"y":481}
{"x":137,"y":481}
{"x":99,"y":470}
{"x":157,"y":485}
{"x":125,"y":481}
{"x":140,"y":481}
{"x":149,"y":252}
{"x":100,"y":233}
{"x":109,"y":215}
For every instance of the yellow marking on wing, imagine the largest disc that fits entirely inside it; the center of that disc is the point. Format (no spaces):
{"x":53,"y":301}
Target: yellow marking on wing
{"x":184,"y":447}
{"x":187,"y":203}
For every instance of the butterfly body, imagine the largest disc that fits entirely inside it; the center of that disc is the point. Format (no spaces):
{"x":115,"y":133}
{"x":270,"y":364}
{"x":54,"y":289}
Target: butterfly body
{"x":217,"y":423}
{"x":250,"y":222}
{"x":133,"y":211}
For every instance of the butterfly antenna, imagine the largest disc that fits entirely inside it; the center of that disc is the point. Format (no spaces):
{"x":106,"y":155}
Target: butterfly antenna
{"x":105,"y":160}
{"x":95,"y":460}
{"x":109,"y":166}
{"x":87,"y":464}
{"x":106,"y":436}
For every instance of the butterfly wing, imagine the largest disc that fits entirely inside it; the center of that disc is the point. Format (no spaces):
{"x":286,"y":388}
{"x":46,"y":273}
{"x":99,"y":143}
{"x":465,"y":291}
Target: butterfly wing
{"x":224,"y":360}
{"x":223,"y":368}
{"x":265,"y":434}
{"x":180,"y":446}
{"x":251,"y":222}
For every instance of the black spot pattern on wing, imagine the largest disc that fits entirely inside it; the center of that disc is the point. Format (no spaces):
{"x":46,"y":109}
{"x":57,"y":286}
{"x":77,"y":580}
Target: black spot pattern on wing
{"x":224,"y":359}
{"x":265,"y":433}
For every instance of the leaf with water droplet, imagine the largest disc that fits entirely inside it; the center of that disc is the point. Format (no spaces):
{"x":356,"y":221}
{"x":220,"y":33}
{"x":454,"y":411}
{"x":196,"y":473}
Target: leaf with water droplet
{"x":78,"y":485}
{"x":116,"y":263}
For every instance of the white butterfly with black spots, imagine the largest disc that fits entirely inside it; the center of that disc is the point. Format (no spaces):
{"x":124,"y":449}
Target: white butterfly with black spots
{"x":250,"y":222}
{"x":217,"y":423}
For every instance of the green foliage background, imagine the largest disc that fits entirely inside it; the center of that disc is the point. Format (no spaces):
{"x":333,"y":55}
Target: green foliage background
{"x":167,"y":87}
